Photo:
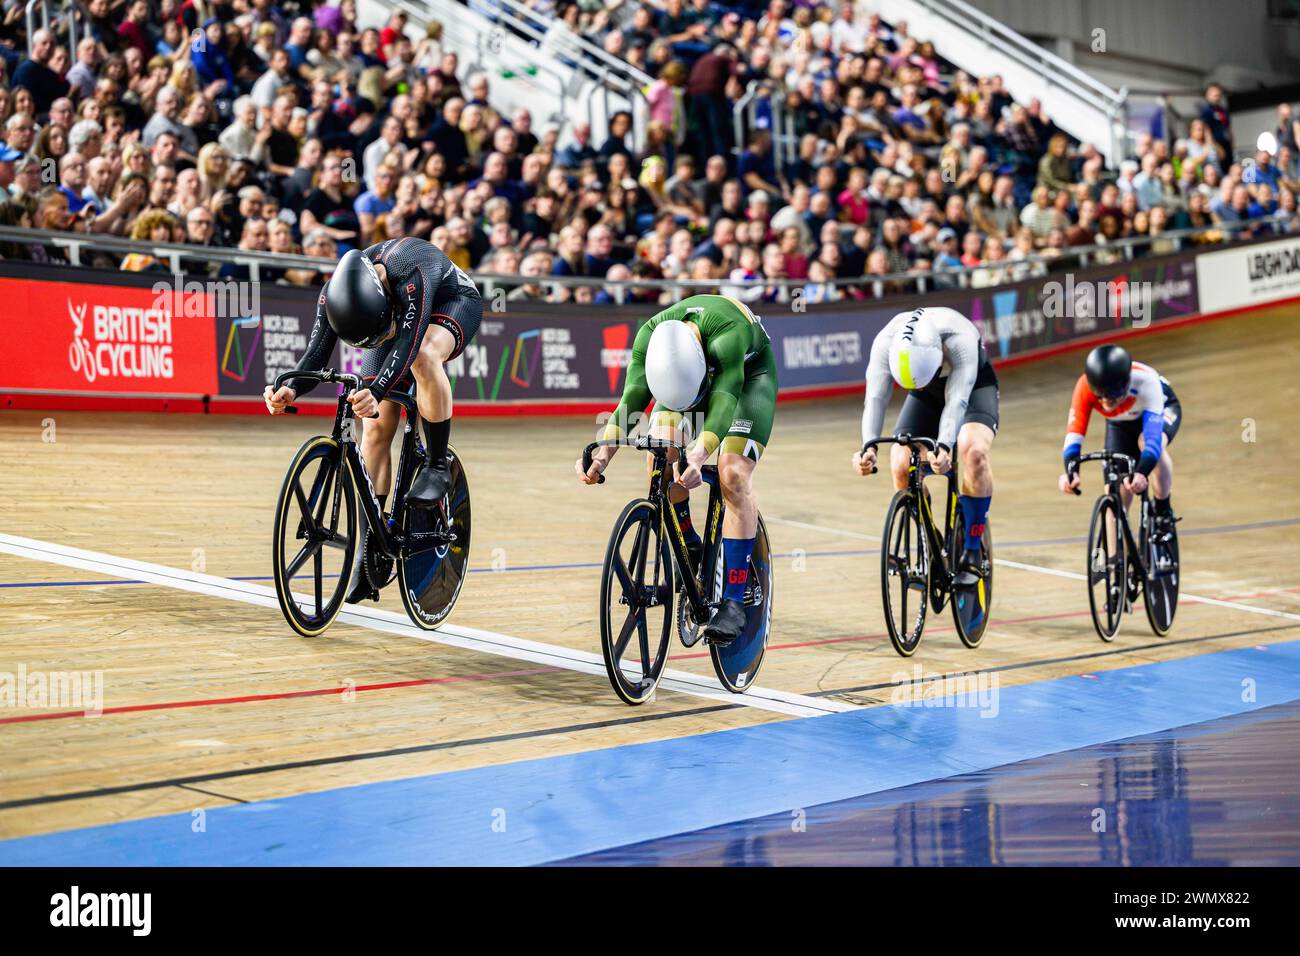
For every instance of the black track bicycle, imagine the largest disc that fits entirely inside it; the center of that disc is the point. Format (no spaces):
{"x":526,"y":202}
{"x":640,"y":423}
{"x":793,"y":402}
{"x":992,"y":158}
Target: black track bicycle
{"x":918,"y":564}
{"x":316,"y":524}
{"x":638,"y":584}
{"x":1120,"y":567}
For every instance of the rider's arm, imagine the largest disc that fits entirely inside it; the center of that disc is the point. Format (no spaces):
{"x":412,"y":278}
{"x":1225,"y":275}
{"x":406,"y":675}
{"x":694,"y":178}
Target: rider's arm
{"x":413,"y":309}
{"x":879,"y":387}
{"x":319,"y":348}
{"x":1077,"y":426}
{"x":963,"y":352}
{"x":636,"y":394}
{"x":1152,"y":397}
{"x":727,"y":352}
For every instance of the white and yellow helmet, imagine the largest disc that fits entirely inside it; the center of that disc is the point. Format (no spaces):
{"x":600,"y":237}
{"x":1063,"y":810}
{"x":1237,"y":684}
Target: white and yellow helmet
{"x":916,"y":352}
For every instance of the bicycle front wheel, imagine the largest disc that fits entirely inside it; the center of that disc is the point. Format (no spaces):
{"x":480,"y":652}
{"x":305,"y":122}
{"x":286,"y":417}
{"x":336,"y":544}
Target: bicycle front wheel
{"x":904,"y":572}
{"x":315,"y":537}
{"x":636,"y":602}
{"x":1107,"y":581}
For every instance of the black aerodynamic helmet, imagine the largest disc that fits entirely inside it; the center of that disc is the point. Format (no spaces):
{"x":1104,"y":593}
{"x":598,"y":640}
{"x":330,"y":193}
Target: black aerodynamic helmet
{"x":356,"y":303}
{"x":1108,"y":369}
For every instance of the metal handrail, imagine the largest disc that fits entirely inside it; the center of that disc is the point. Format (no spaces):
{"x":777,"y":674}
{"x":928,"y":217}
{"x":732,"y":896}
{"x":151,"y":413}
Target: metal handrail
{"x":1053,"y":70}
{"x":77,"y":243}
{"x":634,"y":75}
{"x":1002,"y":37}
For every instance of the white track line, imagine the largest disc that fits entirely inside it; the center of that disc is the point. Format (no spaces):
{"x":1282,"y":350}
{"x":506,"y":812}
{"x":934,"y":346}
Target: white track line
{"x":817,"y":527}
{"x":488,"y":642}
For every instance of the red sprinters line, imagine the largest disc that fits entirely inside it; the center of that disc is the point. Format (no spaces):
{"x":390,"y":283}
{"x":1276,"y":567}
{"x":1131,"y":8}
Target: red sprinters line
{"x":286,"y":695}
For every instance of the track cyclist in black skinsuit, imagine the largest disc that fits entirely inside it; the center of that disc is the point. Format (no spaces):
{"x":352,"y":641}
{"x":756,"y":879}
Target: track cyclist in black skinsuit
{"x":413,"y":310}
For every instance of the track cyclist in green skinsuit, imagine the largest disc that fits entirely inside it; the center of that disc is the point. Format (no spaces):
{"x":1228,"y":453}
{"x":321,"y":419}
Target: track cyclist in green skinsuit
{"x":708,"y":363}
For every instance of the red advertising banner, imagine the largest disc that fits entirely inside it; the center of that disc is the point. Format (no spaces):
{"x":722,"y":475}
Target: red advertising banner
{"x":102,"y":338}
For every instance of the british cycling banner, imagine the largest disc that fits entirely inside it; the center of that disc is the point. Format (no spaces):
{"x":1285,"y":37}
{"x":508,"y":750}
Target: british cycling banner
{"x":97,"y":337}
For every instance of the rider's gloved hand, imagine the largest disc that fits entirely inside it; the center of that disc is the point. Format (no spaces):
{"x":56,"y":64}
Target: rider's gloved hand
{"x":1068,"y":482}
{"x":278,"y":400}
{"x":1136,"y":482}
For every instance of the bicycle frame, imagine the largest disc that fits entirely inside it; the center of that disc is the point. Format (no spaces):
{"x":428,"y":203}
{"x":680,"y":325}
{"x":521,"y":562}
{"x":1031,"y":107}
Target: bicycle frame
{"x":1119,"y":466}
{"x":660,"y":480}
{"x":391,"y":542}
{"x":941,"y":546}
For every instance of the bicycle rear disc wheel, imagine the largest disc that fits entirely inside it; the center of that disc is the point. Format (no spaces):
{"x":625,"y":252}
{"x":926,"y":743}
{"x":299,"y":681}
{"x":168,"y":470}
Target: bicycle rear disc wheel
{"x":970,"y":608}
{"x":636,"y":603}
{"x":315,"y":537}
{"x":1107,"y":581}
{"x":738,"y":663}
{"x":435,"y":559}
{"x":1160,"y":592}
{"x":904,"y":573}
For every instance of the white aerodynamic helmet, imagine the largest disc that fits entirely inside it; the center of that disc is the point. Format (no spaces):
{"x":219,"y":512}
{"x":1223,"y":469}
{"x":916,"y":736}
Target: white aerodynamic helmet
{"x":675,"y":367}
{"x":916,"y":352}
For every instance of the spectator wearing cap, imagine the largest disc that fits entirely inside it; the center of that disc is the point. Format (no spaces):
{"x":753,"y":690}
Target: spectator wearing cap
{"x":946,"y":246}
{"x":8,"y":157}
{"x":35,"y":76}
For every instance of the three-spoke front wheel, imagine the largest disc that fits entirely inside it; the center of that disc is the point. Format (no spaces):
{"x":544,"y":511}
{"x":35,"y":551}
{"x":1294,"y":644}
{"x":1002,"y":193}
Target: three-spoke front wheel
{"x":636,"y":602}
{"x":315,"y":537}
{"x":1107,"y":580}
{"x":904,"y":572}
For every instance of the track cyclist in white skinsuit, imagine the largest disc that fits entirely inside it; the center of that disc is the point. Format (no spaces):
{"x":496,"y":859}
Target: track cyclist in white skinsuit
{"x":936,"y":354}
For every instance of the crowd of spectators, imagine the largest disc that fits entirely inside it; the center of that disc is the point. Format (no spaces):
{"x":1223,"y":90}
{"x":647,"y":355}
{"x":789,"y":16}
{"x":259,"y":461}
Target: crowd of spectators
{"x":290,"y":127}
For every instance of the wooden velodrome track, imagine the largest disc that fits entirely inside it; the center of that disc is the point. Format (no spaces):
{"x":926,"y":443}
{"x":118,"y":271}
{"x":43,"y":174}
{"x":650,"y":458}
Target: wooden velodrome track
{"x":210,"y":699}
